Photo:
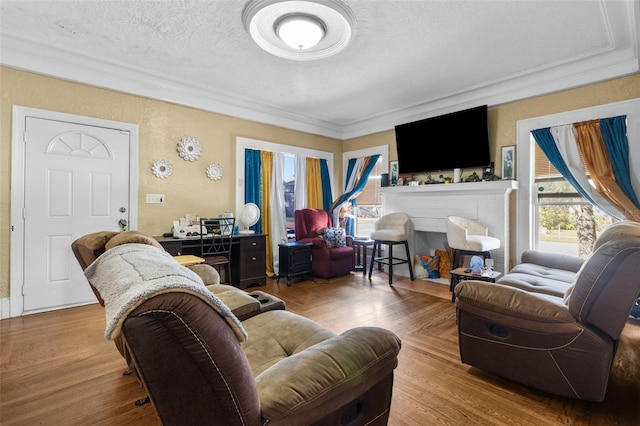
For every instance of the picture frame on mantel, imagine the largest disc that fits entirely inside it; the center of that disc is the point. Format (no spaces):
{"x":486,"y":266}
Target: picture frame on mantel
{"x":393,"y":173}
{"x":509,"y":162}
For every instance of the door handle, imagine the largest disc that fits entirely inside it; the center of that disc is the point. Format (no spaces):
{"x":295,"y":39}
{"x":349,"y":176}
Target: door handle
{"x":123,"y":224}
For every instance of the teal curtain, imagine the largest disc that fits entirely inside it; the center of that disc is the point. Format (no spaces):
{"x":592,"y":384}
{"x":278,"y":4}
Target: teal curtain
{"x":614,"y":135}
{"x":327,"y":196}
{"x":252,"y":170}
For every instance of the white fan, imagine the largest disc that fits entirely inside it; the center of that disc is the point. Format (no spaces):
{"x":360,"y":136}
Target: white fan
{"x":249,"y":216}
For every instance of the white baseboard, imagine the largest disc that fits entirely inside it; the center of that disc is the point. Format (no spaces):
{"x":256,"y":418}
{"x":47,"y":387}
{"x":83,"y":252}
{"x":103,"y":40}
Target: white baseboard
{"x":5,"y":308}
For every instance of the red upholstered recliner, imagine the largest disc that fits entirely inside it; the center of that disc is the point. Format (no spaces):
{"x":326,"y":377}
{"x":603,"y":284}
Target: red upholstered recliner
{"x":325,"y":262}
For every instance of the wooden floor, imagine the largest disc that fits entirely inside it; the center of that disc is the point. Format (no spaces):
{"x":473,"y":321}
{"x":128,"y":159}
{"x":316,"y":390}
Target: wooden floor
{"x":58,"y":369}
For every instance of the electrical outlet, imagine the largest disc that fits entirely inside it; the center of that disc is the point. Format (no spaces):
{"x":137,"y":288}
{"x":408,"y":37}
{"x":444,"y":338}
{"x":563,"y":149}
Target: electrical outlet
{"x":155,"y":198}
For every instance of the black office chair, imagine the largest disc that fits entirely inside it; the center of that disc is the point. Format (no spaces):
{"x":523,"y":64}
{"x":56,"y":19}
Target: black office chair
{"x":216,"y":243}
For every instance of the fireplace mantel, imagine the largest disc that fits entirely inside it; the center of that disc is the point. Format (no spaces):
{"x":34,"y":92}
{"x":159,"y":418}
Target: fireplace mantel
{"x":429,"y":205}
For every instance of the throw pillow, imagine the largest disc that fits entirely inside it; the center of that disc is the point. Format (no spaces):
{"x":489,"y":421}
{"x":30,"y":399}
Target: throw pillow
{"x":335,"y":237}
{"x":445,"y":263}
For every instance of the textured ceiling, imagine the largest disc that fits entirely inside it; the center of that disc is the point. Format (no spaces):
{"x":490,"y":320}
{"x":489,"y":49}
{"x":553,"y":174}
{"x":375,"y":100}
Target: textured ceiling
{"x":407,"y":60}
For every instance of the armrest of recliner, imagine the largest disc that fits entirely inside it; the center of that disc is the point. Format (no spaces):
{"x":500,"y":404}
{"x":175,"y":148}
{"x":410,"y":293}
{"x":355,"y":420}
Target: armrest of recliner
{"x":316,"y":242}
{"x":325,"y":376}
{"x":510,"y":303}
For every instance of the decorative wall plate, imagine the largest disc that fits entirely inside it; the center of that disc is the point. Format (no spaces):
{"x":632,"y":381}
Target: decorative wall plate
{"x":214,"y":171}
{"x":189,"y":148}
{"x":161,"y":168}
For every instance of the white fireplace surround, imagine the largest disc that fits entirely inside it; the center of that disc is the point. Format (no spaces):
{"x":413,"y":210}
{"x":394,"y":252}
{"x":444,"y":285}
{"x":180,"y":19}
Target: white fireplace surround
{"x":429,"y":205}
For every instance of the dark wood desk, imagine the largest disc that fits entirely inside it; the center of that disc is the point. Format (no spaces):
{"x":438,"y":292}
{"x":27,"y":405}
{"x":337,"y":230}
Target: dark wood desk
{"x":248,"y":256}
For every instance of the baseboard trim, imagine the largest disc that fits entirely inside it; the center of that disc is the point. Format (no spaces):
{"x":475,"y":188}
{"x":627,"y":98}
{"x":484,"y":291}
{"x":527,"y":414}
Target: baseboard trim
{"x":5,"y":308}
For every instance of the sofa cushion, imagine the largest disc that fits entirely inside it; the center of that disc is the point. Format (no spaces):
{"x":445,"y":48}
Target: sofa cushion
{"x":337,"y":253}
{"x":539,"y":279}
{"x":276,"y":335}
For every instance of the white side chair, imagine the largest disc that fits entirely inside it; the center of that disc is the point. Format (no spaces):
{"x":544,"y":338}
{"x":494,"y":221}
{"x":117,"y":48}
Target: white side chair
{"x":391,"y":229}
{"x":468,"y":237}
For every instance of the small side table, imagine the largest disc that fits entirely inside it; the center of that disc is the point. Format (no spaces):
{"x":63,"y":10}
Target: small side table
{"x":295,"y":260}
{"x":459,"y":274}
{"x":360,"y":246}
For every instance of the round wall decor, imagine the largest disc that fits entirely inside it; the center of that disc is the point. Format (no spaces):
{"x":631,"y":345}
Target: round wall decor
{"x":161,"y":168}
{"x":189,"y":148}
{"x":214,"y":171}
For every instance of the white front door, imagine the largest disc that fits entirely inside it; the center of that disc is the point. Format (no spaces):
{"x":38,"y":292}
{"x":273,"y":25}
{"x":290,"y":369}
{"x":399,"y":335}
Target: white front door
{"x":76,"y":181}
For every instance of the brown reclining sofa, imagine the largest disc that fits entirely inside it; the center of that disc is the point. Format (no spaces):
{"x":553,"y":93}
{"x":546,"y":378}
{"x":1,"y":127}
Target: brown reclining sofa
{"x":201,"y":365}
{"x":554,"y":321}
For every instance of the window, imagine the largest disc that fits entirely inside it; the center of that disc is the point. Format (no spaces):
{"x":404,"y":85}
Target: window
{"x":368,"y":202}
{"x":288,"y":179}
{"x":530,"y":206}
{"x":567,"y":223}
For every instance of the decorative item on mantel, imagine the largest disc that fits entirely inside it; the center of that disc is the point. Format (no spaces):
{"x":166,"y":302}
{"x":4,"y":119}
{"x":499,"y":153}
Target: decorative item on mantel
{"x":161,"y":168}
{"x":214,"y":171}
{"x":473,"y":177}
{"x":189,"y":148}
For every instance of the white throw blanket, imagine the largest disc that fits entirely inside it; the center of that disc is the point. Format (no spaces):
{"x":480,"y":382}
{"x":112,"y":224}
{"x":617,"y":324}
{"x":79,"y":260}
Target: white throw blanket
{"x":128,"y":274}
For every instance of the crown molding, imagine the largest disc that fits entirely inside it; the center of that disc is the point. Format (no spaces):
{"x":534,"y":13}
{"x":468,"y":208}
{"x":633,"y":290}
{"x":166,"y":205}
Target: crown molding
{"x":619,"y":59}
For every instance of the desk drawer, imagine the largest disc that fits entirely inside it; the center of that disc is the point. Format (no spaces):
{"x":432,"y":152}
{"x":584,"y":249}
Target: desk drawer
{"x":253,"y":264}
{"x":257,"y":242}
{"x":248,"y":261}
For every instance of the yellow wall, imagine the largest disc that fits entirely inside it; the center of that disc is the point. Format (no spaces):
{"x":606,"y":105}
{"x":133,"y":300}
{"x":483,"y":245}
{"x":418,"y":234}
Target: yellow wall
{"x":188,"y":190}
{"x":161,"y":126}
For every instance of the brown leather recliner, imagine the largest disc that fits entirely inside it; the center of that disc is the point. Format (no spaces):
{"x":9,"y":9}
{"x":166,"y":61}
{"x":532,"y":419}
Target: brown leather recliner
{"x":562,"y":344}
{"x":200,"y":365}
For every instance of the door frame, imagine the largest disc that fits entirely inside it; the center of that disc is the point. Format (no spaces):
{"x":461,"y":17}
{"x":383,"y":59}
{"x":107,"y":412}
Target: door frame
{"x":17,"y":255}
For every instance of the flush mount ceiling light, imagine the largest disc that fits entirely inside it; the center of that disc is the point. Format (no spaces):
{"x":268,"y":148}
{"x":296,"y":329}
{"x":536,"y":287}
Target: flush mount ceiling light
{"x":299,"y":30}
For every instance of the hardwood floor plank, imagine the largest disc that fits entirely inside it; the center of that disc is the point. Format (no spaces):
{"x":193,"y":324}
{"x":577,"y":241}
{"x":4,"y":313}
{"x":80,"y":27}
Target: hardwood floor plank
{"x":56,"y":368}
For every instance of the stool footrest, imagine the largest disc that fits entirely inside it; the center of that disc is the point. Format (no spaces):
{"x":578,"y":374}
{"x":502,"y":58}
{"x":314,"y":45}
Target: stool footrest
{"x":386,"y":261}
{"x":390,"y":259}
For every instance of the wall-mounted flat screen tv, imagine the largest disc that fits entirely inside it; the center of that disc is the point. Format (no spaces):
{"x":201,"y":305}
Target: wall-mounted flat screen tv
{"x":455,"y":140}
